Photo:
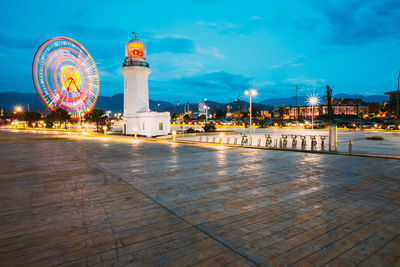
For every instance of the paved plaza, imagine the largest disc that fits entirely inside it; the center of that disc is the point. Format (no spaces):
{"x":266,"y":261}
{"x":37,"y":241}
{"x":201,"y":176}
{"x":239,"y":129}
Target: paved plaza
{"x":75,"y":201}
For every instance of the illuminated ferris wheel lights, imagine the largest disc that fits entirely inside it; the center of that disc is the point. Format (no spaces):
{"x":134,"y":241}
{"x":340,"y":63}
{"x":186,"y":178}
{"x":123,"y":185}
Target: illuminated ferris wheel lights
{"x":65,"y":76}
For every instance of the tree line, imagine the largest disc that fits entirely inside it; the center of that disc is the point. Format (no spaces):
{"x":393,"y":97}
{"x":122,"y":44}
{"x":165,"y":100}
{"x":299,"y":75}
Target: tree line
{"x":58,"y":116}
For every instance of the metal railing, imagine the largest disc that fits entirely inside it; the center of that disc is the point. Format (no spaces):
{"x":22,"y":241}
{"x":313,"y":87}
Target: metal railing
{"x":127,"y":63}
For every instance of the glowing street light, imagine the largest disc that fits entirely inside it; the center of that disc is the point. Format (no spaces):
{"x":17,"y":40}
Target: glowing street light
{"x":206,"y":108}
{"x":251,"y":92}
{"x":221,"y":138}
{"x":105,"y":130}
{"x":18,"y":109}
{"x":312,"y":101}
{"x":173,"y":135}
{"x":135,"y":132}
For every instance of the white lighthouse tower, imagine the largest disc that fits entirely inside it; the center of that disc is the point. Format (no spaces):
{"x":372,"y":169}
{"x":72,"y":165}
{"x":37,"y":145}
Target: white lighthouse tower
{"x":137,"y":116}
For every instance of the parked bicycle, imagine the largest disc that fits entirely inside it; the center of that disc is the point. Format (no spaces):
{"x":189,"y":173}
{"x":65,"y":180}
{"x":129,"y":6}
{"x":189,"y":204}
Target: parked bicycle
{"x":322,"y":137}
{"x":245,"y":139}
{"x":268,"y":141}
{"x":284,"y":137}
{"x":294,"y":141}
{"x":313,"y":142}
{"x":303,"y":142}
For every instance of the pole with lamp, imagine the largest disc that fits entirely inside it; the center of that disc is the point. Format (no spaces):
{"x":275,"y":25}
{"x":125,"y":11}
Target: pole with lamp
{"x":251,"y":92}
{"x":312,"y":101}
{"x":398,"y":95}
{"x":297,"y":108}
{"x":206,"y":108}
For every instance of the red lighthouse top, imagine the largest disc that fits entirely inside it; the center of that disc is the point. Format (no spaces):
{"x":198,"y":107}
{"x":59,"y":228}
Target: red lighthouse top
{"x":135,"y":49}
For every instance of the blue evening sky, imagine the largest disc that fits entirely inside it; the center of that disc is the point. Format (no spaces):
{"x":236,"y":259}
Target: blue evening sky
{"x":216,"y":49}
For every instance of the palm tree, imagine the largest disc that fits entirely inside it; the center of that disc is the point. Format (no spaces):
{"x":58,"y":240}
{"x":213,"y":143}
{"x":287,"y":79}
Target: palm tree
{"x":329,"y":100}
{"x":186,"y":117}
{"x":281,"y":112}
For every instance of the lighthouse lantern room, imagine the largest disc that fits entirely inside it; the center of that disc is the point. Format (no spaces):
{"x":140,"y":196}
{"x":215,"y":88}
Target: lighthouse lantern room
{"x":138,"y":119}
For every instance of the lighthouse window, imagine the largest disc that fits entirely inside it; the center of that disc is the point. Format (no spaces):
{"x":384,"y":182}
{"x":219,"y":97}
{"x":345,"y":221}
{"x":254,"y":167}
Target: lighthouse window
{"x":160,"y":126}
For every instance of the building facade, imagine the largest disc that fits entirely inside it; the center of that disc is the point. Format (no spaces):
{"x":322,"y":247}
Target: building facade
{"x":305,"y":112}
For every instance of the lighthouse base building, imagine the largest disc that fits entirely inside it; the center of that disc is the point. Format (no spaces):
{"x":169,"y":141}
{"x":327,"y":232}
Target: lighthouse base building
{"x":138,"y":119}
{"x":148,"y":124}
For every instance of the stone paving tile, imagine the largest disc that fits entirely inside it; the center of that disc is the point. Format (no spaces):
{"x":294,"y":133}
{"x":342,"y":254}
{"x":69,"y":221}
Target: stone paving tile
{"x":74,"y":201}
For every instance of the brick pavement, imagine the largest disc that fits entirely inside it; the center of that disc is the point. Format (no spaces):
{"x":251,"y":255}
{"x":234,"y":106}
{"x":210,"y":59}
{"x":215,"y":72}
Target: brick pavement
{"x":85,"y":201}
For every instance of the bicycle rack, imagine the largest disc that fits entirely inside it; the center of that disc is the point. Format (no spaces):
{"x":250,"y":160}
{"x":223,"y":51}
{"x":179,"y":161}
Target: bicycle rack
{"x":303,"y":142}
{"x":245,"y":140}
{"x":294,"y":141}
{"x":268,"y":141}
{"x":322,"y":137}
{"x":313,"y":142}
{"x":284,"y":137}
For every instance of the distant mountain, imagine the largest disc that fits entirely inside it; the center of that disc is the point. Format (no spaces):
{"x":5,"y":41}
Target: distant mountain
{"x":301,"y":100}
{"x":288,"y":101}
{"x":10,"y":99}
{"x":115,"y":103}
{"x":244,"y":106}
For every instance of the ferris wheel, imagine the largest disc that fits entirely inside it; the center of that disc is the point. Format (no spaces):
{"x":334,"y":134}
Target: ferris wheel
{"x":65,"y":76}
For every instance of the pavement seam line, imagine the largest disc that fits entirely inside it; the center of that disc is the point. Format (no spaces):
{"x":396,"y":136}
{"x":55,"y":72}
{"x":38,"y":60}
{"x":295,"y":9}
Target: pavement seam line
{"x":172,"y":212}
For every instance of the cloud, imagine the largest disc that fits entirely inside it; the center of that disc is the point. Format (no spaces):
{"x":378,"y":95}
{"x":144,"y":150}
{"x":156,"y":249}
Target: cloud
{"x":210,"y":51}
{"x":359,"y":22}
{"x":218,"y":86}
{"x":254,"y":18}
{"x":170,"y":44}
{"x":293,"y":62}
{"x":314,"y":82}
{"x":263,"y":84}
{"x":97,"y":32}
{"x":221,"y":27}
{"x":17,"y":42}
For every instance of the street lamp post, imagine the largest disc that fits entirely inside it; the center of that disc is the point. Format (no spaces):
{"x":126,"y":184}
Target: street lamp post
{"x":313,"y":101}
{"x":296,"y":110}
{"x":252,"y":92}
{"x":206,"y":108}
{"x":398,"y":95}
